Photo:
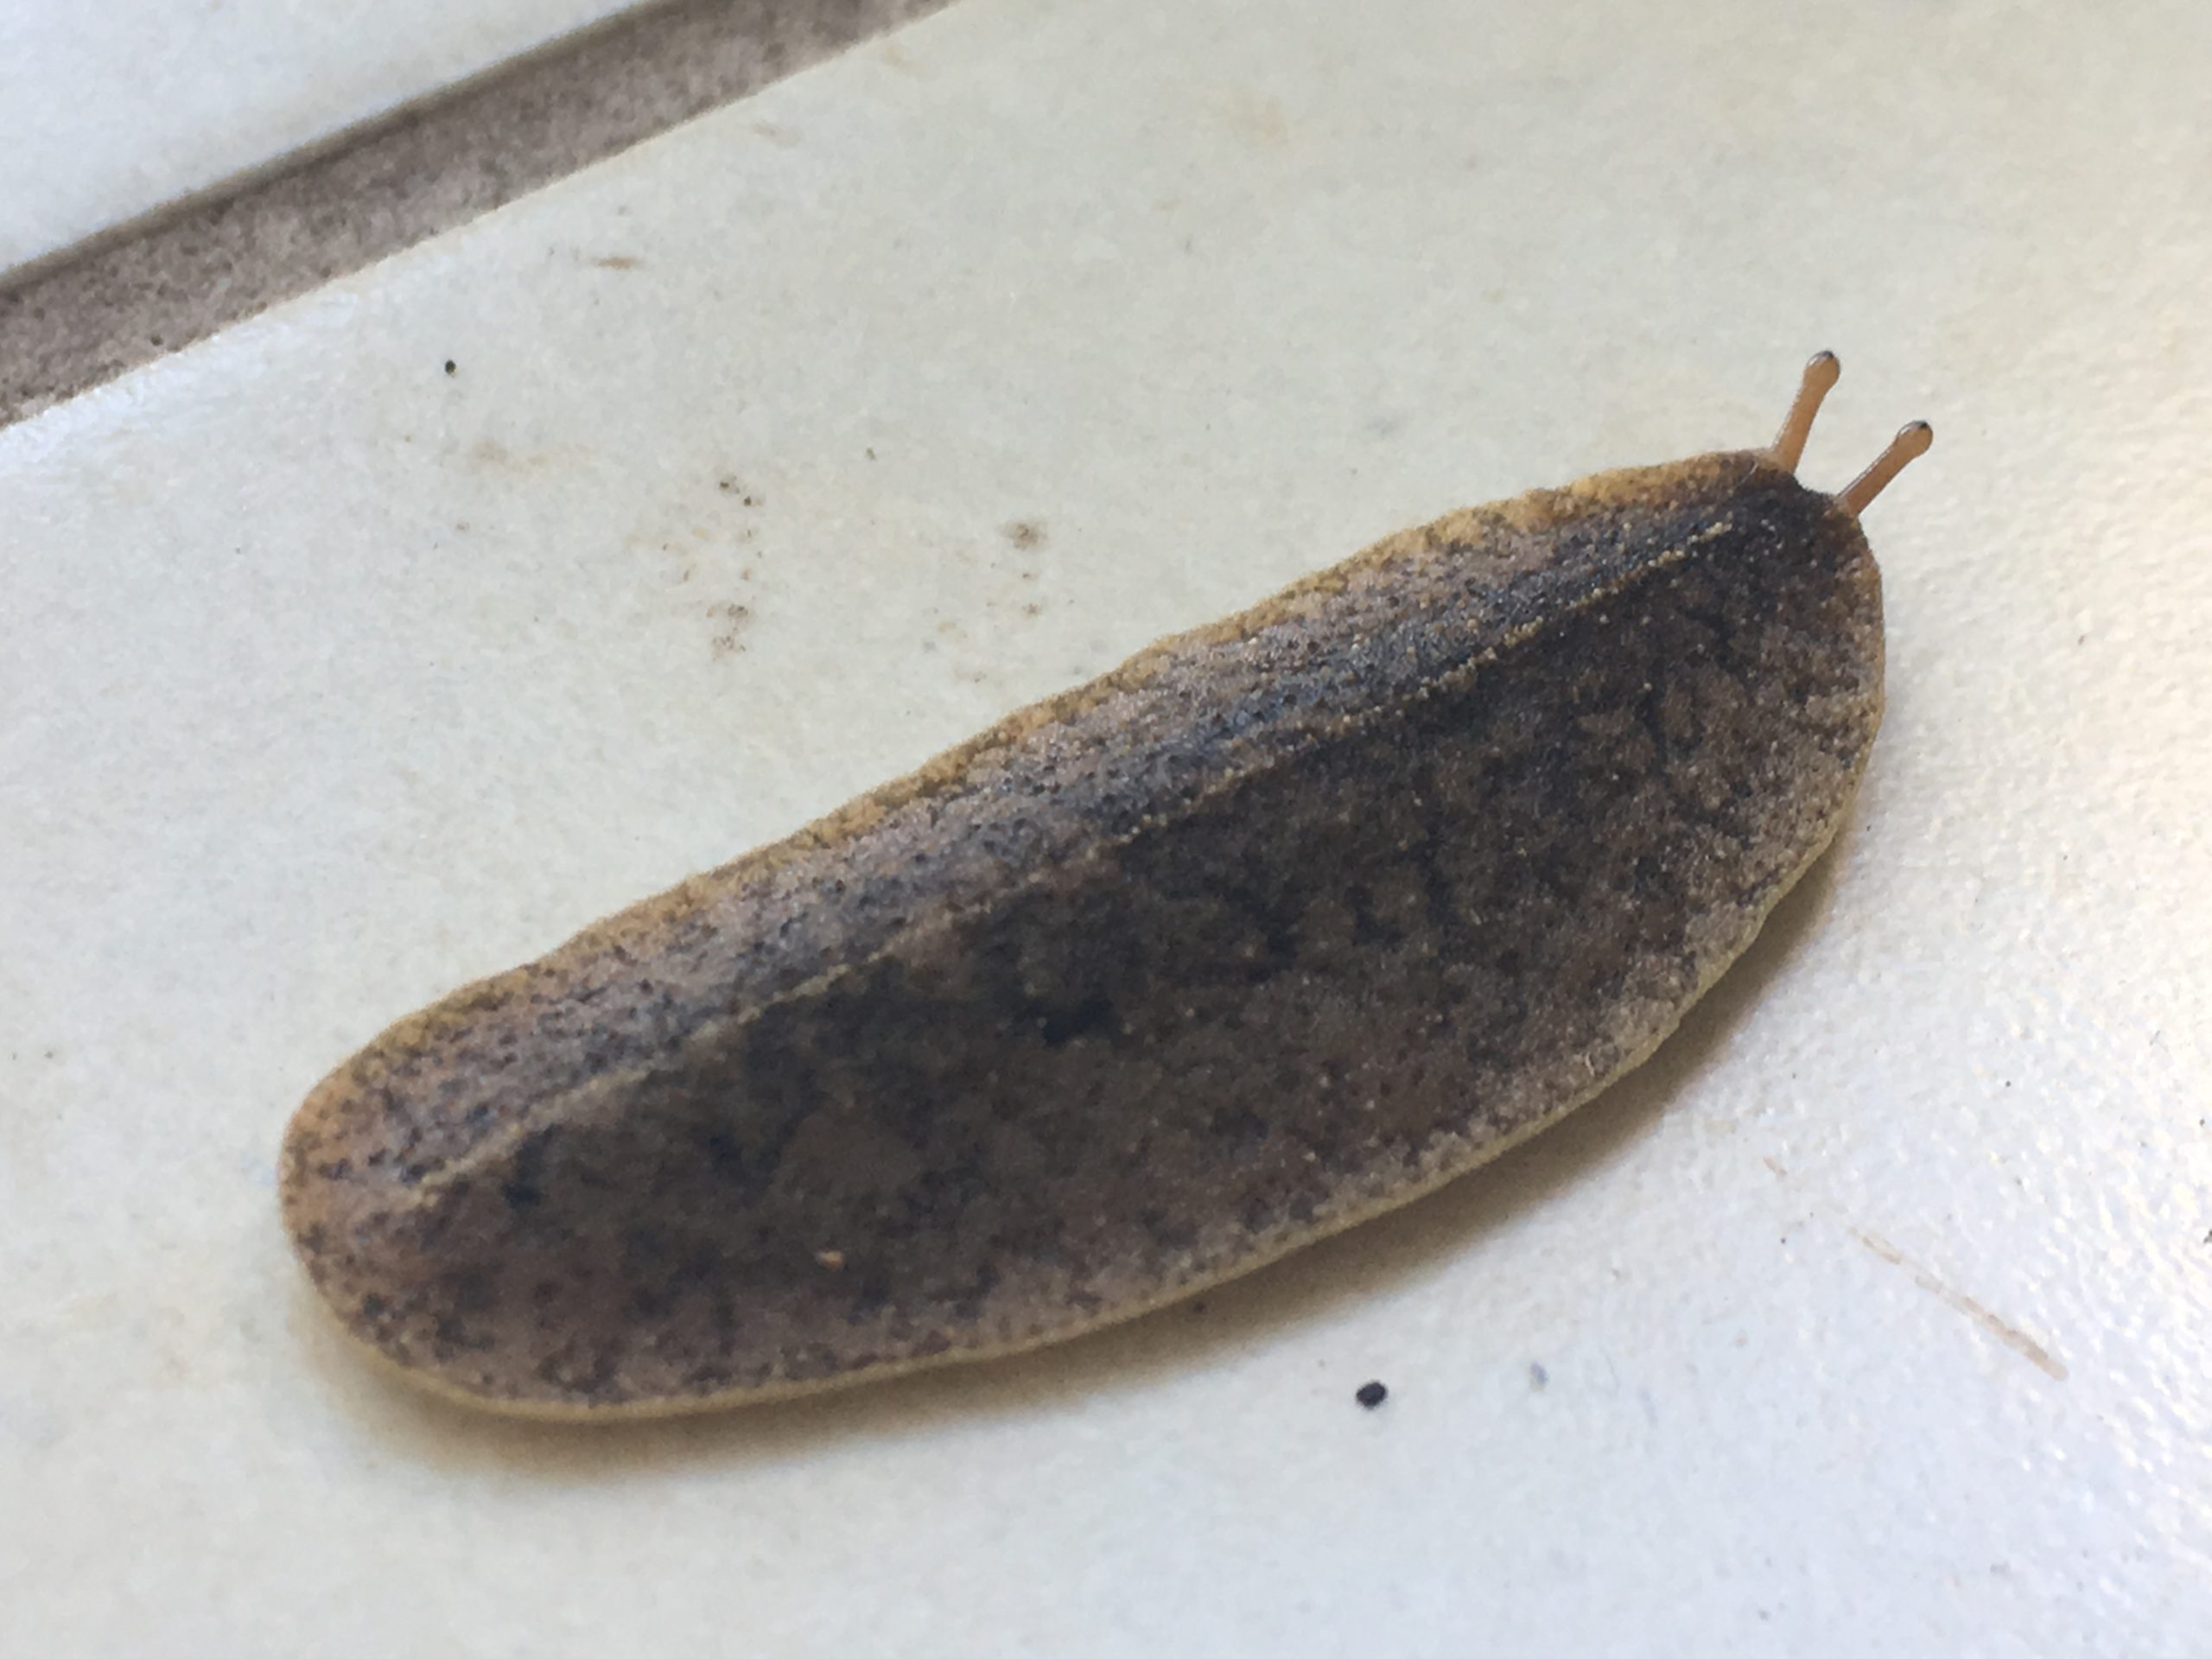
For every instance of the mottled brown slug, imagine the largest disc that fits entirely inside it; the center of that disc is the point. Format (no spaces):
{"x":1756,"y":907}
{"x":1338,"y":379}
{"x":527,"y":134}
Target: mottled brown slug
{"x":1279,"y":925}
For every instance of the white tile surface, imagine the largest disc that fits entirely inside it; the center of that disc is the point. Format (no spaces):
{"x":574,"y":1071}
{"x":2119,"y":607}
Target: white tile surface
{"x":112,"y":110}
{"x":1875,"y":1316}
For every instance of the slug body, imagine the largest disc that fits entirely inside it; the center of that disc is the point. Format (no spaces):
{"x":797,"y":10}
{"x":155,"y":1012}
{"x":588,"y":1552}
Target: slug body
{"x":1281,"y":924}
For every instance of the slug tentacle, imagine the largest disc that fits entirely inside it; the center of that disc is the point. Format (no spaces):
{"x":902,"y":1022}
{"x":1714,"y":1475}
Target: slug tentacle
{"x":1823,"y":370}
{"x":1910,"y":443}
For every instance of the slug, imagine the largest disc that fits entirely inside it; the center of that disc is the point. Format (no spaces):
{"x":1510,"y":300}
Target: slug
{"x":1280,"y":925}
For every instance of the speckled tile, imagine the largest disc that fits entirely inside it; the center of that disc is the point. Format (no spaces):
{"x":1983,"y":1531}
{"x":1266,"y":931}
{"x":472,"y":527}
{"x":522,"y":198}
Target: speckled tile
{"x":158,"y":284}
{"x":116,"y":109}
{"x":1875,"y":1316}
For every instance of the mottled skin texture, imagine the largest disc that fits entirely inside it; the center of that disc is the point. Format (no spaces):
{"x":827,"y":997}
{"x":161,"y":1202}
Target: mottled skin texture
{"x":1281,"y":924}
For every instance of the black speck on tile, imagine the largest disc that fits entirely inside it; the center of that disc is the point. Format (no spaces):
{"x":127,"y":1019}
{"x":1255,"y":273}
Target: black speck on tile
{"x":1371,"y":1394}
{"x":450,"y":365}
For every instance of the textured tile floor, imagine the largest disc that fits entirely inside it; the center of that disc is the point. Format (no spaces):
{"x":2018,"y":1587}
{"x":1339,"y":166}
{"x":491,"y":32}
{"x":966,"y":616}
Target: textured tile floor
{"x":1871,"y":1317}
{"x":98,"y":308}
{"x":114,"y":110}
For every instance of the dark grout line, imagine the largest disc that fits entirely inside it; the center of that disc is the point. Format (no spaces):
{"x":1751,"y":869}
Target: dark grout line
{"x":73,"y":319}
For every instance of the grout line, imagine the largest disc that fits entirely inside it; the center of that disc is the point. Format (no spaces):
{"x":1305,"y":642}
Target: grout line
{"x":72,"y":319}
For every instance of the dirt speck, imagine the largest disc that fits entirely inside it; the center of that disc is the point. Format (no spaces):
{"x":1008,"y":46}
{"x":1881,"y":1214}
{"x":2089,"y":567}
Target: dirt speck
{"x":897,"y":58}
{"x":2011,"y":1335}
{"x":735,"y":487}
{"x":1025,"y":533}
{"x":1371,"y":1394}
{"x":1256,"y":119}
{"x":733,"y":620}
{"x":618,"y":262}
{"x":782,"y":137}
{"x":1032,"y":609}
{"x":1538,"y":1376}
{"x":452,"y":367}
